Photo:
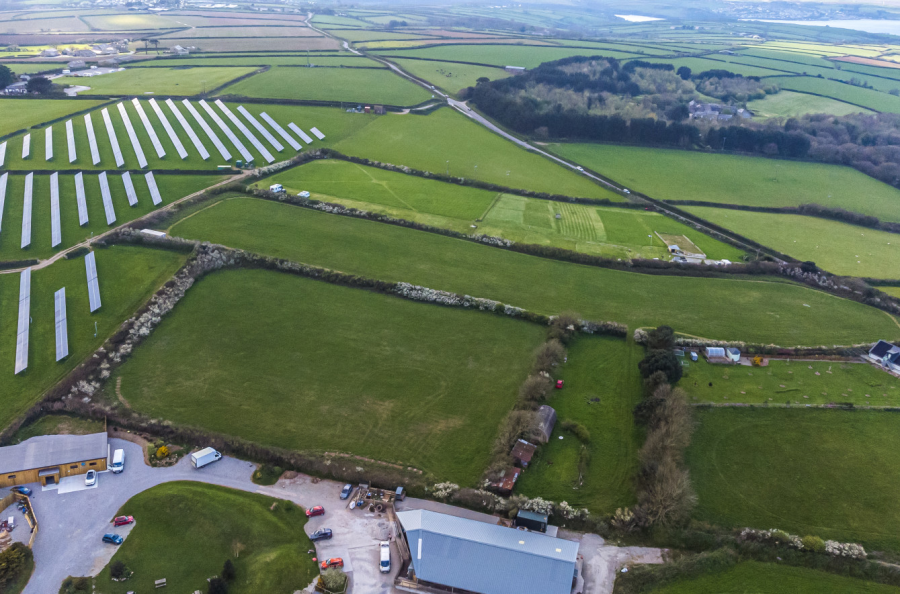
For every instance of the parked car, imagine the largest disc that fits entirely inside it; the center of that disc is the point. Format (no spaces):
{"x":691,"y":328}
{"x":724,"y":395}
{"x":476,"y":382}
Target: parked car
{"x":345,"y":492}
{"x":559,"y":384}
{"x":22,"y":490}
{"x":385,"y":566}
{"x":335,"y":562}
{"x":315,"y":511}
{"x":90,"y":479}
{"x":323,"y":534}
{"x":123,"y":521}
{"x":113,"y":539}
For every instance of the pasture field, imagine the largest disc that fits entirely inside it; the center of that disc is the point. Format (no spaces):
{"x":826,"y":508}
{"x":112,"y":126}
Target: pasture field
{"x":336,"y":22}
{"x":604,"y":369}
{"x":185,"y":531}
{"x":867,"y":98}
{"x":331,"y":84}
{"x":839,"y":248}
{"x":171,"y":188}
{"x":263,"y":60}
{"x":24,"y":113}
{"x":180,"y":82}
{"x":830,"y":473}
{"x":667,"y":174}
{"x":826,"y":49}
{"x":370,"y":35}
{"x":128,"y":275}
{"x":127,"y":22}
{"x":698,"y":65}
{"x":612,"y":232}
{"x":758,"y":311}
{"x":34,"y":68}
{"x":501,"y":55}
{"x":791,"y":382}
{"x":450,"y":76}
{"x":258,"y":44}
{"x":407,"y":380}
{"x":787,"y":104}
{"x":273,"y":31}
{"x":466,"y":150}
{"x":770,"y":578}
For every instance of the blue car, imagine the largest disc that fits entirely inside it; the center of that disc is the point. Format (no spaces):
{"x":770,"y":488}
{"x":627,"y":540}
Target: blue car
{"x":113,"y":539}
{"x":345,"y":492}
{"x":323,"y":534}
{"x":22,"y":490}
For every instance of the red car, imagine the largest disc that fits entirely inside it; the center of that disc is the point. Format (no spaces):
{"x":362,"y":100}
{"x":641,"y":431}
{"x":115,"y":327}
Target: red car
{"x":559,"y":384}
{"x":315,"y":511}
{"x":336,"y":562}
{"x":123,"y":521}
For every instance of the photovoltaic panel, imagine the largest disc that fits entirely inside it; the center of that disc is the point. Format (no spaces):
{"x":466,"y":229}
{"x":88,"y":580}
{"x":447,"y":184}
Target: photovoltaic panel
{"x":24,"y":320}
{"x":227,"y":131}
{"x":306,"y":137}
{"x":154,"y":191}
{"x":92,"y":140}
{"x":209,"y":131}
{"x":111,"y":132}
{"x":62,"y":325}
{"x":132,"y":135}
{"x":70,"y":141}
{"x":171,"y":132}
{"x":2,"y":195}
{"x":318,"y":134}
{"x":90,"y":265}
{"x":157,"y":145}
{"x":129,"y":188}
{"x":26,"y":211}
{"x":246,"y":132}
{"x":55,"y":227}
{"x":26,"y":146}
{"x":80,"y":199}
{"x":259,"y":128}
{"x":107,"y":199}
{"x":287,"y":137}
{"x":2,"y":153}
{"x":187,"y":128}
{"x":48,"y":143}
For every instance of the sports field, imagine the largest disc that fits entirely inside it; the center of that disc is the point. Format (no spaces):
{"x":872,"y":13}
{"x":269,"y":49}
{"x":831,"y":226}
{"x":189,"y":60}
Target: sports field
{"x":755,"y":181}
{"x":500,"y":55}
{"x":331,"y":84}
{"x":185,"y":531}
{"x":868,"y":98}
{"x":602,"y":387}
{"x":313,"y":366}
{"x":450,"y":76}
{"x":24,"y":113}
{"x":839,"y":248}
{"x":829,"y":473}
{"x":757,"y":310}
{"x":184,"y":81}
{"x":787,"y":104}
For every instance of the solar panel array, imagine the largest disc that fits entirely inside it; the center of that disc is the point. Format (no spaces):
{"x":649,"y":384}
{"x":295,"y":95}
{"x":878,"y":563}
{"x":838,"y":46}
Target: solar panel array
{"x":55,"y":227}
{"x":154,"y":191}
{"x":24,"y":320}
{"x":306,"y":138}
{"x":209,"y":131}
{"x":90,"y":265}
{"x":26,"y":211}
{"x":129,"y":188}
{"x":157,"y":145}
{"x":48,"y":143}
{"x":246,"y":132}
{"x":287,"y":137}
{"x":132,"y":135}
{"x":26,"y":146}
{"x":111,"y":132}
{"x":2,"y":194}
{"x":227,"y":131}
{"x":107,"y":200}
{"x":70,"y":141}
{"x":318,"y":134}
{"x":62,"y":325}
{"x":80,"y":199}
{"x":2,"y":153}
{"x":92,"y":140}
{"x":169,"y":130}
{"x":187,"y":128}
{"x":259,"y":128}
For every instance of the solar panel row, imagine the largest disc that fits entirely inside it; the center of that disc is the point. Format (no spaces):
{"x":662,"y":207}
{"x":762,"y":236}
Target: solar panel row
{"x":55,"y":227}
{"x":129,"y":188}
{"x":306,"y":138}
{"x":92,"y":140}
{"x":80,"y":199}
{"x":246,"y":132}
{"x":259,"y":128}
{"x":62,"y":330}
{"x":2,"y":195}
{"x":227,"y":131}
{"x":165,"y":122}
{"x":157,"y":145}
{"x":132,"y":136}
{"x":187,"y":128}
{"x":24,"y":320}
{"x":48,"y":143}
{"x":209,"y":131}
{"x":154,"y":191}
{"x":111,"y":132}
{"x":287,"y":137}
{"x":107,"y":200}
{"x":90,"y":264}
{"x":26,"y":211}
{"x":2,"y":153}
{"x":318,"y":134}
{"x":26,"y":146}
{"x":70,"y":140}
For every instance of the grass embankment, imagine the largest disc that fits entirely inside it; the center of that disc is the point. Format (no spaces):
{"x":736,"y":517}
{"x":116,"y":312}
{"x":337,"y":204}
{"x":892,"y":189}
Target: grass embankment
{"x":304,"y":365}
{"x":758,"y":310}
{"x":184,"y":81}
{"x":667,"y":174}
{"x":602,"y":386}
{"x":22,"y":113}
{"x":127,"y":275}
{"x":823,"y":472}
{"x":185,"y":531}
{"x":612,"y":232}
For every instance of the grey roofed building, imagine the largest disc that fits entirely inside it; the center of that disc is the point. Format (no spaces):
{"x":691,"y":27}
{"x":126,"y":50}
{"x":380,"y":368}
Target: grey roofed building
{"x":487,"y":558}
{"x":52,"y":450}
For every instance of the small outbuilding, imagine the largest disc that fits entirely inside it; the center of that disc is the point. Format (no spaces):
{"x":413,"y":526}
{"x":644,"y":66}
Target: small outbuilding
{"x":546,"y":417}
{"x":733,"y":354}
{"x":506,"y":483}
{"x":522,"y":453}
{"x":714,"y":353}
{"x":532,"y":521}
{"x":48,"y":458}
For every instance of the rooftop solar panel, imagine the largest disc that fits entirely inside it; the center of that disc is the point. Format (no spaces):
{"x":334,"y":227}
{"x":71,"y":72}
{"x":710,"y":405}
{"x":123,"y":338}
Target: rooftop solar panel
{"x":80,"y":199}
{"x":92,"y":140}
{"x":259,"y":128}
{"x":26,"y":211}
{"x":2,"y":195}
{"x":227,"y":131}
{"x":62,"y":325}
{"x":70,"y":140}
{"x":90,"y":265}
{"x":209,"y":131}
{"x":281,"y":131}
{"x":2,"y":153}
{"x":169,"y":130}
{"x":318,"y":134}
{"x":157,"y":145}
{"x":107,"y":199}
{"x":55,"y":227}
{"x":190,"y":131}
{"x":154,"y":191}
{"x":24,"y":320}
{"x":129,"y":188}
{"x":111,"y":132}
{"x":26,"y":146}
{"x":48,"y":143}
{"x":246,"y":132}
{"x":132,"y":136}
{"x":306,"y":137}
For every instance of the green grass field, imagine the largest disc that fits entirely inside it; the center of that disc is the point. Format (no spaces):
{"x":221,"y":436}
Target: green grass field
{"x":770,"y":312}
{"x":797,"y":382}
{"x":839,"y":248}
{"x":821,"y":472}
{"x":449,"y":76}
{"x":755,"y":181}
{"x":698,"y":65}
{"x":127,"y":276}
{"x":501,"y":55}
{"x":868,"y":98}
{"x":185,"y":531}
{"x":331,"y":84}
{"x":24,"y":113}
{"x":59,"y":425}
{"x":604,"y":369}
{"x":183,"y":81}
{"x":374,"y":375}
{"x":787,"y":104}
{"x":768,"y":578}
{"x":260,"y":60}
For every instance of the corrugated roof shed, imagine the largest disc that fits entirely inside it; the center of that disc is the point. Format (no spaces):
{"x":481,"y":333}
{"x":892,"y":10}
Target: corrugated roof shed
{"x":52,"y":450}
{"x":487,"y":558}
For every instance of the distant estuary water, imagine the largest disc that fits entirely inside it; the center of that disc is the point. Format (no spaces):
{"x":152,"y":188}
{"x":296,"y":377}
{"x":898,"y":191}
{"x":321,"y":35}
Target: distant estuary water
{"x":867,"y":25}
{"x":636,"y":18}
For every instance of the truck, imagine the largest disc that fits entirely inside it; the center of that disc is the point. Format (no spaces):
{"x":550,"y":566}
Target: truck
{"x":204,"y":457}
{"x":118,"y":461}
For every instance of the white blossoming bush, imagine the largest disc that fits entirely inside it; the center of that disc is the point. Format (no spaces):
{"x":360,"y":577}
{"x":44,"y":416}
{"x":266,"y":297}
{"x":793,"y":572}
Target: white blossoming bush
{"x":832,"y":547}
{"x":845,"y":549}
{"x":444,"y":490}
{"x":539,"y":505}
{"x":570,"y":513}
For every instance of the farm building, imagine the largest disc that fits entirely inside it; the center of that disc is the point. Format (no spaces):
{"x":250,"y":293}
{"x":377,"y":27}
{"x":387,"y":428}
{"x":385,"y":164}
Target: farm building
{"x":546,"y":421}
{"x":451,"y":554}
{"x":47,"y":458}
{"x":49,"y":53}
{"x":506,"y":483}
{"x":733,"y":354}
{"x":522,"y":453}
{"x":886,"y":354}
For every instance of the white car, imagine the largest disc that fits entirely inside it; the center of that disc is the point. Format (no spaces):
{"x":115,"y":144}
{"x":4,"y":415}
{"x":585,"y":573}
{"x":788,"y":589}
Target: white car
{"x":385,"y":565}
{"x":580,"y":168}
{"x":90,"y":479}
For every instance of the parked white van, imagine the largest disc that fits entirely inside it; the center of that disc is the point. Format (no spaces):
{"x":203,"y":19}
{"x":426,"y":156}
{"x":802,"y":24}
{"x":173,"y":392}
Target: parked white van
{"x":385,"y":557}
{"x":118,"y":462}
